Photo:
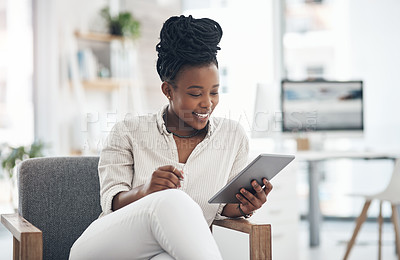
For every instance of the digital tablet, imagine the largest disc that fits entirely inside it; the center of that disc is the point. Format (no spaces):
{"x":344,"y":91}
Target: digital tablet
{"x":264,"y":166}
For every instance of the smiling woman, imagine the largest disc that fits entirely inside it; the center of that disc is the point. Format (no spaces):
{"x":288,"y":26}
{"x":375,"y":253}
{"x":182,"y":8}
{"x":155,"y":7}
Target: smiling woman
{"x":192,"y":99}
{"x":157,"y":172}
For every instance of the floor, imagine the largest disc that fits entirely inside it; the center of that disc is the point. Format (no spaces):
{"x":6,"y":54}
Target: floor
{"x":333,"y":242}
{"x":5,"y":236}
{"x":335,"y":235}
{"x":5,"y":244}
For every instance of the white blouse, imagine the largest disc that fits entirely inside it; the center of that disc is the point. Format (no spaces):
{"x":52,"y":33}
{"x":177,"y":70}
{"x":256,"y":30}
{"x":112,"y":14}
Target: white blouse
{"x":137,"y":146}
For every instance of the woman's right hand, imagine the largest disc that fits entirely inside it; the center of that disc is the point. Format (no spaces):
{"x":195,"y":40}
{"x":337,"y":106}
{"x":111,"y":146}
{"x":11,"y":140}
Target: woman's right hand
{"x":164,"y":177}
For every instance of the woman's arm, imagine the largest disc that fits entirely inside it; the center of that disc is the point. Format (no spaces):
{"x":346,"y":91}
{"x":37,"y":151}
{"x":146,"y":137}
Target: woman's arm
{"x":240,"y":162}
{"x":116,"y":165}
{"x":116,"y":175}
{"x":165,"y":177}
{"x":231,"y":211}
{"x":126,"y":197}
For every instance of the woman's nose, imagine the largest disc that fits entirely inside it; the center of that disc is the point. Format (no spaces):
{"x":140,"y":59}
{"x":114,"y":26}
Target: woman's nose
{"x":206,"y":102}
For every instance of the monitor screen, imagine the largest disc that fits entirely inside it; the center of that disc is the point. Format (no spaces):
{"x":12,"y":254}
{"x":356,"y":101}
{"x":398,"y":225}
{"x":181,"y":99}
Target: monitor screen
{"x":322,"y":105}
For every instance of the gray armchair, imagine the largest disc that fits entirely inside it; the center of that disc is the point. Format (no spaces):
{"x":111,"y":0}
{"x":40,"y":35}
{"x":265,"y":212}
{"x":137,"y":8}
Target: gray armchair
{"x":59,"y":198}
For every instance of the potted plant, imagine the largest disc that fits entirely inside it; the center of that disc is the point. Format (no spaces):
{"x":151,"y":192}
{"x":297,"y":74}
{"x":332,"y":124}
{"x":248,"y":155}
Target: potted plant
{"x":11,"y":156}
{"x":17,"y":154}
{"x":123,"y":24}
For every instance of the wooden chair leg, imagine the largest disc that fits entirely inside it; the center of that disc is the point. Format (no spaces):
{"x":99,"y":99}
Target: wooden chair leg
{"x":259,"y":236}
{"x":395,"y":221}
{"x":260,"y":243}
{"x":360,"y":221}
{"x":31,"y":246}
{"x":380,"y":222}
{"x":16,"y":249}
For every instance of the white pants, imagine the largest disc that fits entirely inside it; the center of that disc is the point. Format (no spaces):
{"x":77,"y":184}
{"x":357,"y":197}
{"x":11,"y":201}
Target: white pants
{"x":163,"y":225}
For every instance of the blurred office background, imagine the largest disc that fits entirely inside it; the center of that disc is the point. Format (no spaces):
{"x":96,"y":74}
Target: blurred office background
{"x":65,"y":81}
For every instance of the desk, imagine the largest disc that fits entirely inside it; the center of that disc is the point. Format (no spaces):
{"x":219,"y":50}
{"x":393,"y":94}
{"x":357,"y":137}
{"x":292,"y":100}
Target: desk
{"x":313,"y":158}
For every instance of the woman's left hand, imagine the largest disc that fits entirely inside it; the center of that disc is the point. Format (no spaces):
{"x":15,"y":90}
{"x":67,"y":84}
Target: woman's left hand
{"x":250,"y":202}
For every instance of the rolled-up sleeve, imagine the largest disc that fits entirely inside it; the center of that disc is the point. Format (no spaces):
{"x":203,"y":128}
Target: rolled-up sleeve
{"x":115,"y":166}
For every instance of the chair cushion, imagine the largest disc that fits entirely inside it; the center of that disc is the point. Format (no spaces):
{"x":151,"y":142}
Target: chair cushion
{"x":60,"y":196}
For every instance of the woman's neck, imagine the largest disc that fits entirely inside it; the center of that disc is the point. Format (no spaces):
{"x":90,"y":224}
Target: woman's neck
{"x":176,"y":125}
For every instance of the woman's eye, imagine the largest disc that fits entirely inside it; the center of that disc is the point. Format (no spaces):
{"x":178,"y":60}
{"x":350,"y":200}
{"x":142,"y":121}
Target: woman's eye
{"x":198,"y":95}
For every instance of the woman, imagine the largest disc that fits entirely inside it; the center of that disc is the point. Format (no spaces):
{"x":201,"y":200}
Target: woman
{"x":157,"y":172}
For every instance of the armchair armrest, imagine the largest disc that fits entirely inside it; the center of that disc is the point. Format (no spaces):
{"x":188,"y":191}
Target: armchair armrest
{"x":259,"y":236}
{"x":27,"y":239}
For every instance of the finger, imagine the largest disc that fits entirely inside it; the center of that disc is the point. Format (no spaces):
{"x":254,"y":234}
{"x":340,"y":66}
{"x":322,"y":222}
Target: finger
{"x":173,"y":169}
{"x":242,"y":199}
{"x":256,"y":202}
{"x":268,"y":186}
{"x":178,"y":173}
{"x":257,"y":187}
{"x":246,"y":205}
{"x":165,"y":183}
{"x":159,"y":174}
{"x":168,"y":175}
{"x":260,"y":194}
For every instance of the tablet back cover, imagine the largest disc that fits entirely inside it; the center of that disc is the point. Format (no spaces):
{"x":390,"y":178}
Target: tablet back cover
{"x":265,"y":165}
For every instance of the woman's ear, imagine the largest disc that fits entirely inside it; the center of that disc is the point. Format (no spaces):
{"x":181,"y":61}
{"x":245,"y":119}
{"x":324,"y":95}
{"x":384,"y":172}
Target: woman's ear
{"x":166,"y":89}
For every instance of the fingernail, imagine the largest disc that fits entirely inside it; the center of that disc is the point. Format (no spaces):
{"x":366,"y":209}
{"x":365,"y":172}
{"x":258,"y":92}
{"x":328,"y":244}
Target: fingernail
{"x":238,"y":196}
{"x":243,"y":191}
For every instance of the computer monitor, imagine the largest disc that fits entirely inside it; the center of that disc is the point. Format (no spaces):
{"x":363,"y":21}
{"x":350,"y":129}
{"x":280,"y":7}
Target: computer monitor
{"x":320,"y":105}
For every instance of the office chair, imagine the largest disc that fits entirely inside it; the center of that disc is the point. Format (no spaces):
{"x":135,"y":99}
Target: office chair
{"x":60,"y":196}
{"x":390,"y":194}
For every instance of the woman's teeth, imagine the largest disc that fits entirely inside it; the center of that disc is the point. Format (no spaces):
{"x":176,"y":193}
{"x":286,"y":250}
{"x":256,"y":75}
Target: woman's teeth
{"x":201,"y":115}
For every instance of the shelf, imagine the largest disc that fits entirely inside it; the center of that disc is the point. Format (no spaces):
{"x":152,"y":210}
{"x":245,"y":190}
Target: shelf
{"x":101,"y":37}
{"x":104,"y":84}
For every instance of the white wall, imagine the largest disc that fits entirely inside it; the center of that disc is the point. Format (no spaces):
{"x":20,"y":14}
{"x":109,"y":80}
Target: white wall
{"x":55,"y":22}
{"x":247,"y":54}
{"x":375,"y":55}
{"x":45,"y":71}
{"x":152,"y":15}
{"x":52,"y":20}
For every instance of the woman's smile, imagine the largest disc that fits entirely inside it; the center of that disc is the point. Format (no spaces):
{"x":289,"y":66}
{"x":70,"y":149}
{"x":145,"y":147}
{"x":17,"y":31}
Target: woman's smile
{"x":202,"y":116}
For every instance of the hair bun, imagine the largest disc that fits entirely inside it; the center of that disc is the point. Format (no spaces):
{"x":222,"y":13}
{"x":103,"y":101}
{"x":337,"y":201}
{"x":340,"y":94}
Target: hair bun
{"x":186,"y":40}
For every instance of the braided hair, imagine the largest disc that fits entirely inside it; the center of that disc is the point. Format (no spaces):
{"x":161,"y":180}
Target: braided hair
{"x":187,"y":41}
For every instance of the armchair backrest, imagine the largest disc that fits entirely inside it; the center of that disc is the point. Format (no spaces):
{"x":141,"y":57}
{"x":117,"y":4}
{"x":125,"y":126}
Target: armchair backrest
{"x":60,"y":196}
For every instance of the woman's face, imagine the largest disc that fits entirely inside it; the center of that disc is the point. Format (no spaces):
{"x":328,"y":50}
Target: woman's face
{"x":193,"y":97}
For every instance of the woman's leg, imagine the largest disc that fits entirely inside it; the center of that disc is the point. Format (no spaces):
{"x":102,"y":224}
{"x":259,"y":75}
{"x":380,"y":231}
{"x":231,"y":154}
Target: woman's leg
{"x":162,"y":221}
{"x":162,"y":256}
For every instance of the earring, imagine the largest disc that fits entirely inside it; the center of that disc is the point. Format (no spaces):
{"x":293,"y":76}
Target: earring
{"x":169,"y":97}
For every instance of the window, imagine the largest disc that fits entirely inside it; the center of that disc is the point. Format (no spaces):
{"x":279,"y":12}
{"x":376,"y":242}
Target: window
{"x":16,"y":59}
{"x":313,"y":40}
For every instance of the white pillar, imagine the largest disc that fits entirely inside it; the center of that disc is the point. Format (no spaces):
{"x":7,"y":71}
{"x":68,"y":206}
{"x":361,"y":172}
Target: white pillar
{"x":46,"y":73}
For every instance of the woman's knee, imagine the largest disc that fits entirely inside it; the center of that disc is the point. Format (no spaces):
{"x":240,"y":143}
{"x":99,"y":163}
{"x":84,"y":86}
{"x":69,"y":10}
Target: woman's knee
{"x":176,"y":201}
